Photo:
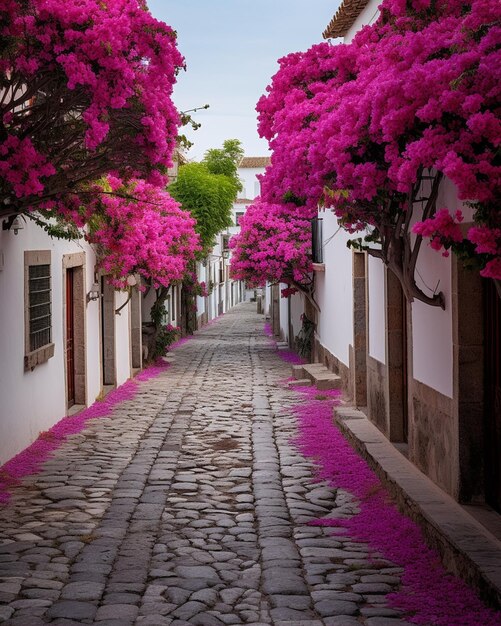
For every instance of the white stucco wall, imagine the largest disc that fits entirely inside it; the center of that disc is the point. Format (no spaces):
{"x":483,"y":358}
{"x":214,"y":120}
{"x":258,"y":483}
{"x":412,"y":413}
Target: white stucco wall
{"x":250,"y":183}
{"x":377,"y":308}
{"x":297,"y":310}
{"x":284,"y":314}
{"x":267,"y":299}
{"x":334,"y":291}
{"x":122,"y":339}
{"x":93,"y":351}
{"x":33,"y":401}
{"x":432,"y":326}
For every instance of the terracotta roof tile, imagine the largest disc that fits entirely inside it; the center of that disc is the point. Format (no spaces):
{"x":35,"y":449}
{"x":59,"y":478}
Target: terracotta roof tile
{"x":243,"y":201}
{"x":344,"y":18}
{"x":254,"y":162}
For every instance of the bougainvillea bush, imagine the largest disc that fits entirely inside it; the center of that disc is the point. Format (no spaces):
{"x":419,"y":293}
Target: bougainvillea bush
{"x":86,"y":90}
{"x":138,"y":229}
{"x":371,"y":128}
{"x":88,"y":128}
{"x":273,"y":245}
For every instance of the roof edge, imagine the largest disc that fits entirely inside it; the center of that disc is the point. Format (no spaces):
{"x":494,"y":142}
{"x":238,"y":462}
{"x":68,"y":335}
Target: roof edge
{"x":344,"y":18}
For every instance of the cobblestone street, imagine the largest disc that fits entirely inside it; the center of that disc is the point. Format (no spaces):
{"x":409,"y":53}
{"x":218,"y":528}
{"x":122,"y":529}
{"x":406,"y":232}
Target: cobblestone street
{"x":190,"y":506}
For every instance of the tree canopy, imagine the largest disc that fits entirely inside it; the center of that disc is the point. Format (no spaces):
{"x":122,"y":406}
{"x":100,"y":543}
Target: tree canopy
{"x":85,"y":90}
{"x":274,"y":245}
{"x":370,"y":129}
{"x":88,"y":128}
{"x":225,"y":160}
{"x":208,"y":189}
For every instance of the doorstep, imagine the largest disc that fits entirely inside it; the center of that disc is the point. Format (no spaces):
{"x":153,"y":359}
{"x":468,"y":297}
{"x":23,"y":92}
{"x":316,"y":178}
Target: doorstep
{"x":319,"y":374}
{"x":467,"y":548}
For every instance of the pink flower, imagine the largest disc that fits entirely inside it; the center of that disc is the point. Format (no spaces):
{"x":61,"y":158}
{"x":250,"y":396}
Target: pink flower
{"x":492,"y":269}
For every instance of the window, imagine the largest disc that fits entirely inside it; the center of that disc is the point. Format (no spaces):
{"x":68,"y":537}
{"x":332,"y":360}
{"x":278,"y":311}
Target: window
{"x":238,"y":215}
{"x":257,"y":188}
{"x":38,"y":308}
{"x":317,"y":240}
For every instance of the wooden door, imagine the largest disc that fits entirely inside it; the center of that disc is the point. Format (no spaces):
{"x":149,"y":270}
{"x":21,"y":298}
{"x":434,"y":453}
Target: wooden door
{"x":275,"y":300}
{"x":70,"y":336}
{"x":108,"y":332}
{"x":405,"y":371}
{"x":492,"y":377}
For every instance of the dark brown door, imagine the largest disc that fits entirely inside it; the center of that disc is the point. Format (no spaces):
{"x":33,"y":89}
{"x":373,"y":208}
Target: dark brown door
{"x":405,"y":371}
{"x":492,"y":329}
{"x":275,"y":300}
{"x":108,"y":332}
{"x":70,"y":337}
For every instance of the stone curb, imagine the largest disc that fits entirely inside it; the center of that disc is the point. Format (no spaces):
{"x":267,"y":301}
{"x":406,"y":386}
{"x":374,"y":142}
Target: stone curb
{"x":467,"y":548}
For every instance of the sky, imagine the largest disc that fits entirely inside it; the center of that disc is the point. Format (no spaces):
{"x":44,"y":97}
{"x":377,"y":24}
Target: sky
{"x":231,"y":49}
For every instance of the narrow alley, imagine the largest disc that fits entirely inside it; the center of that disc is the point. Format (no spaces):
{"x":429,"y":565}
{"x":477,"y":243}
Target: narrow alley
{"x":191,"y":505}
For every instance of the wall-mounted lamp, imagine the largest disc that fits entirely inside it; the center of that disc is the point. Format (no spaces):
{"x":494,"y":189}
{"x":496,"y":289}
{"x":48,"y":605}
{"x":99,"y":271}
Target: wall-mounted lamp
{"x":131,"y":281}
{"x":226,"y":254}
{"x":14,"y":222}
{"x":94,"y":293}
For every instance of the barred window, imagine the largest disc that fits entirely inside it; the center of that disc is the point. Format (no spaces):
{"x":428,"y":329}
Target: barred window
{"x":38,"y":308}
{"x":40,"y":317}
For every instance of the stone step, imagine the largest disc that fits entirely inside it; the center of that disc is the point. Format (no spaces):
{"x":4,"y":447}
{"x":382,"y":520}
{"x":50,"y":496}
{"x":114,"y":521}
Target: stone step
{"x":322,"y":377}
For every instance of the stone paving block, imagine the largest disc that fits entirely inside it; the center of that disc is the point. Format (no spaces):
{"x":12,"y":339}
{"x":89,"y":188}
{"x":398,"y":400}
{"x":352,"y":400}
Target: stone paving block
{"x":73,"y":609}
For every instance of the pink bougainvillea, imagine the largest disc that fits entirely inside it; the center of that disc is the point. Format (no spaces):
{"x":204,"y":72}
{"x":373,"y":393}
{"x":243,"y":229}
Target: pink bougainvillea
{"x":88,"y":128}
{"x":442,"y":229}
{"x":139,"y":228}
{"x":274,"y":245}
{"x":371,"y":127}
{"x":86,"y":89}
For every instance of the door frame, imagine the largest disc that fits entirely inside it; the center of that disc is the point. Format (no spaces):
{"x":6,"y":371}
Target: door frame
{"x":76,"y":263}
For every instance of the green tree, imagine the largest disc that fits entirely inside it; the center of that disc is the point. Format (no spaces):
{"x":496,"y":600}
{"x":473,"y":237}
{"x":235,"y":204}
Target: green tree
{"x":208,"y":189}
{"x":225,"y":160}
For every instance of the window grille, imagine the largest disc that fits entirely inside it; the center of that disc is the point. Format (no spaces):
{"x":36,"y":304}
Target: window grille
{"x":40,"y":314}
{"x":317,"y":250}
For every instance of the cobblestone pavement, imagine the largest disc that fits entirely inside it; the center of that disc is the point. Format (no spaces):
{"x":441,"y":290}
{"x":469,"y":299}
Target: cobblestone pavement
{"x":189,"y":506}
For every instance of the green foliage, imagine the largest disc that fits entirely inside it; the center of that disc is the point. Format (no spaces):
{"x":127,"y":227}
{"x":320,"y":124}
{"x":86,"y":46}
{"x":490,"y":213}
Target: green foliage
{"x":208,"y":197}
{"x":225,"y":160}
{"x":55,"y":226}
{"x":166,"y":336}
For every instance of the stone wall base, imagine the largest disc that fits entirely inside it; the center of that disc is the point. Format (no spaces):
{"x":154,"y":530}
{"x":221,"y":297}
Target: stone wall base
{"x":377,"y":408}
{"x":433,"y":436}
